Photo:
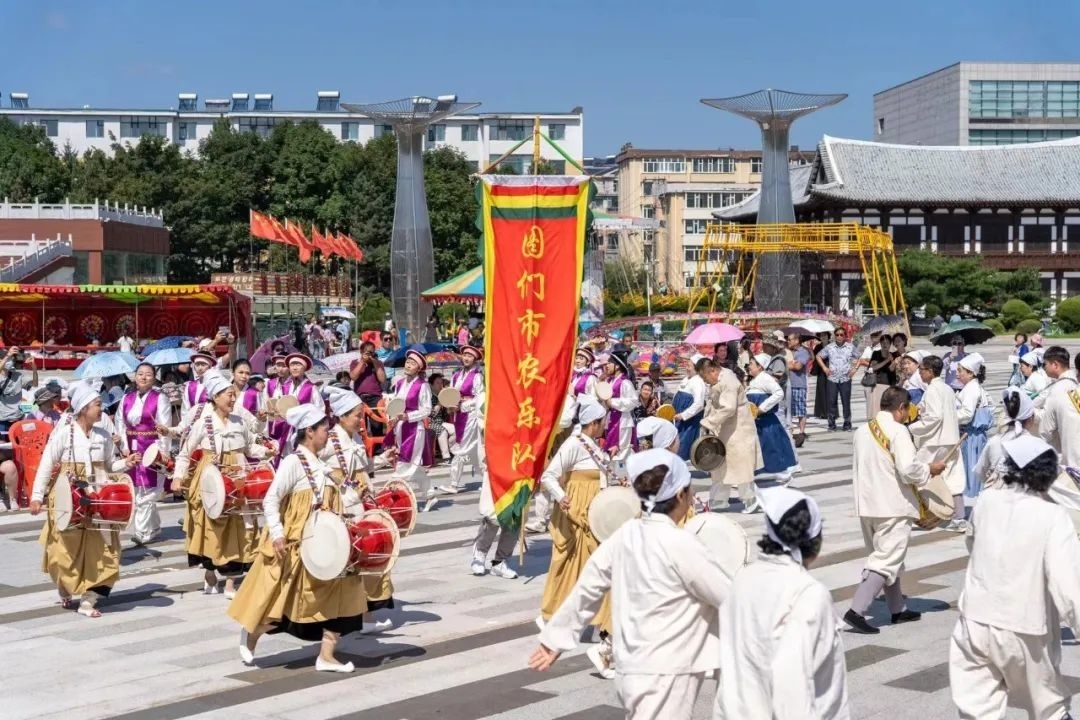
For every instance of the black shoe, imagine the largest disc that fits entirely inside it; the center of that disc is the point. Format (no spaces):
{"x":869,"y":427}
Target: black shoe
{"x":832,"y":428}
{"x":847,"y":427}
{"x":799,"y":438}
{"x":906,"y":616}
{"x":858,"y":624}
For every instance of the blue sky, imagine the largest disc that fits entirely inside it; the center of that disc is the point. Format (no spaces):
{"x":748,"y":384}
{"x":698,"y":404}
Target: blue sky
{"x":638,"y":68}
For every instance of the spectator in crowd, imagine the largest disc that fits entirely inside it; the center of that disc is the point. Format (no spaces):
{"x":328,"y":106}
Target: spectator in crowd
{"x":839,"y":362}
{"x":798,"y":370}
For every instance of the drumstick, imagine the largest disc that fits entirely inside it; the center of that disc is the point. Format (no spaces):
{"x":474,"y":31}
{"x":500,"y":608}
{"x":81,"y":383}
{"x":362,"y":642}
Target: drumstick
{"x":955,"y":449}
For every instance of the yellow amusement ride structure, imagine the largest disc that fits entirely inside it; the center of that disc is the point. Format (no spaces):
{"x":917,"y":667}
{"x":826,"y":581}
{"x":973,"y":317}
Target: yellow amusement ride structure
{"x":730,"y":256}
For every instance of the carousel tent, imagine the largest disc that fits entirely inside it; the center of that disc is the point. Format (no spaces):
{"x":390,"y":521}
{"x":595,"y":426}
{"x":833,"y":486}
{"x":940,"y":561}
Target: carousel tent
{"x":466,"y":287}
{"x":73,"y":314}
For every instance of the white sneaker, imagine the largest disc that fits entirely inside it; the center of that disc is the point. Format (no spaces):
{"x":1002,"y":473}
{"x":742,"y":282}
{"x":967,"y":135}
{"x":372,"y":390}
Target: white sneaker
{"x":431,"y":502}
{"x":447,"y":489}
{"x":478,"y":567}
{"x":324,"y":666}
{"x":752,"y":508}
{"x":596,"y":655}
{"x":246,"y":656}
{"x":377,"y":627}
{"x":503,"y":570}
{"x":535,"y":528}
{"x":209,"y":589}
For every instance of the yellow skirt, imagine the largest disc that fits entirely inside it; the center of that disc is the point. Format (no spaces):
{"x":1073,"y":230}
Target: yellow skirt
{"x":572,"y":544}
{"x":79,"y":558}
{"x":282,"y":590}
{"x":220,"y":541}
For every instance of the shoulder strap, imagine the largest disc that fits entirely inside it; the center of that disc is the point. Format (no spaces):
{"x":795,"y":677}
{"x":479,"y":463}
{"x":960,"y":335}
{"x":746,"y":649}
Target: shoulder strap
{"x":1074,"y":396}
{"x":880,"y":436}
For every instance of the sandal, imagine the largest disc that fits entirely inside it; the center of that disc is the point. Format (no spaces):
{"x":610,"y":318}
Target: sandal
{"x":68,"y":603}
{"x":88,"y":610}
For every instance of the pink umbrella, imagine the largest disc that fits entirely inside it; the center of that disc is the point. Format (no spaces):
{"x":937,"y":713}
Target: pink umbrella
{"x":713,"y":333}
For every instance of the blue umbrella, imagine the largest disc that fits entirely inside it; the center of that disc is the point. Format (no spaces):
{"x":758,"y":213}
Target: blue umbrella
{"x":396,"y":359}
{"x":107,"y":364}
{"x":166,"y":343}
{"x":169,"y":356}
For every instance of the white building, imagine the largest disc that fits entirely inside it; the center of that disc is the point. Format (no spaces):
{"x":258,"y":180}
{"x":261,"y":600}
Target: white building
{"x":483,"y":137}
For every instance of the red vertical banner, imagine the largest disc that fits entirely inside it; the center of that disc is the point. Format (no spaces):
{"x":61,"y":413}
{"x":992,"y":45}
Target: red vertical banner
{"x":534,"y":242}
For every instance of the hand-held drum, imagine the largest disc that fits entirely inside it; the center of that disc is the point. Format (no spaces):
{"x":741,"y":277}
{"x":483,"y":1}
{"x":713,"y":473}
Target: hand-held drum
{"x":611,"y":508}
{"x":450,"y":398}
{"x":666,"y":412}
{"x":724,"y":538}
{"x":395,"y":407}
{"x":603,"y":391}
{"x":155,"y":458}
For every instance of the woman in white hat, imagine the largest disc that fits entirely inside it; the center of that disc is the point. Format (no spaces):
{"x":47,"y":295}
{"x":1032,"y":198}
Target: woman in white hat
{"x":975,"y":415}
{"x":80,"y":560}
{"x":410,"y":436}
{"x":279,"y":595}
{"x":576,"y":474}
{"x":194,"y":391}
{"x":664,"y":587}
{"x":624,"y":398}
{"x":1035,"y":381}
{"x":216,"y":436}
{"x":654,"y":432}
{"x":1021,"y":420}
{"x":1021,"y":585}
{"x":349,"y":465}
{"x":780,"y":648}
{"x":468,"y":420}
{"x":777,"y":448}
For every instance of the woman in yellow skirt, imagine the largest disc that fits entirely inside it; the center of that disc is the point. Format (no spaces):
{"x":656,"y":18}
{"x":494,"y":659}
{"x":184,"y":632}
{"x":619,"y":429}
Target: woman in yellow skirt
{"x":350,"y":467}
{"x":80,"y":560}
{"x":221,"y":545}
{"x":279,"y":595}
{"x":576,"y":474}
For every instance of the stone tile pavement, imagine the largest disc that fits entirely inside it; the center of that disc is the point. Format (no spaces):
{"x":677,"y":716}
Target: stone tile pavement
{"x":164,"y":651}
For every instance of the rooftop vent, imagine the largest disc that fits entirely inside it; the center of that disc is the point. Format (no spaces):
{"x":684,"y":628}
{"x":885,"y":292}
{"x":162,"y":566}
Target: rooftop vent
{"x":239,"y":102}
{"x":328,"y":101}
{"x":264,"y":101}
{"x":187,"y":101}
{"x":20,"y":100}
{"x":219,"y":105}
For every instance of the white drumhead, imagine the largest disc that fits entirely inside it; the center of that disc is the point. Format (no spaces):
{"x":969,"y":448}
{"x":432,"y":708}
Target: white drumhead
{"x":724,"y":538}
{"x":150,"y":455}
{"x":324,"y":546}
{"x":212,"y":491}
{"x":62,"y":510}
{"x":351,"y":504}
{"x":450,"y":398}
{"x":611,"y":508}
{"x":603,"y":390}
{"x":395,"y":407}
{"x":285,"y":404}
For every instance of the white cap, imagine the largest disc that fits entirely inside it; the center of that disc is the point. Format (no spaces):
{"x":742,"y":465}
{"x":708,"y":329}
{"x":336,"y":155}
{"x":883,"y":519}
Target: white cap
{"x":304,"y":416}
{"x":662,"y":432}
{"x":1033,"y":358}
{"x":973,"y":362}
{"x":776,"y":502}
{"x":1024,"y":448}
{"x":342,"y":402}
{"x":589,"y":410}
{"x":916,"y":355}
{"x":677,"y":477}
{"x":81,"y":395}
{"x":763,"y":359}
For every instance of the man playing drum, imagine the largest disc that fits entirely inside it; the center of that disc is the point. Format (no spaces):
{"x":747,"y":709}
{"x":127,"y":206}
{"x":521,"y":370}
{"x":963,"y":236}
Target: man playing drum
{"x":468,"y":420}
{"x":884,"y":469}
{"x":79,"y":558}
{"x":280,"y":595}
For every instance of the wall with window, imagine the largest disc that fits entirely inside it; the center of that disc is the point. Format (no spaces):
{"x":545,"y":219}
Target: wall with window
{"x":1008,"y":136}
{"x":1023,"y":99}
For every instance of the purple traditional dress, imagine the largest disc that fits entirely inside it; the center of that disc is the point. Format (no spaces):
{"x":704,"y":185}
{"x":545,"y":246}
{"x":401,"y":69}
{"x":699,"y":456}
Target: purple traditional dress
{"x":410,"y":436}
{"x":194,"y":393}
{"x":137,"y":422}
{"x":621,"y":433}
{"x":468,"y":423}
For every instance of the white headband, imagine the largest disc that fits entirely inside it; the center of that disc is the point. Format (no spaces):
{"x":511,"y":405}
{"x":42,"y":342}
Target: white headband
{"x":776,"y":502}
{"x":589,"y":410}
{"x":82,"y":395}
{"x":662,"y":432}
{"x":1027,"y":408}
{"x":972,"y":362}
{"x":677,"y":477}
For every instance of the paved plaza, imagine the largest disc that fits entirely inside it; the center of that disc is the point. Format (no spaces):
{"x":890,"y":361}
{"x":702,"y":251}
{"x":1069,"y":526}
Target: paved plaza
{"x":162,"y":650}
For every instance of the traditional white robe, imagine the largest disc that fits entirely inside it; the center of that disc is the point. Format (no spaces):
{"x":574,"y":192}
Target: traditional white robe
{"x":727,"y":415}
{"x":353,"y":457}
{"x":470,"y":446}
{"x":1059,"y":425}
{"x":781,"y":656}
{"x":412,"y":468}
{"x":573,"y":455}
{"x":665,"y":590}
{"x":290,"y":477}
{"x":69,"y":444}
{"x":570,"y":405}
{"x":695,"y":387}
{"x":1022,"y":579}
{"x":232,"y":434}
{"x":937,"y":427}
{"x":1035,"y":386}
{"x":970,"y":398}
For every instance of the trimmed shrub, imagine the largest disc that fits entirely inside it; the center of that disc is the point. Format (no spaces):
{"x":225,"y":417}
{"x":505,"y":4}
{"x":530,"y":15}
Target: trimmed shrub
{"x":995,"y":325}
{"x":1068,"y":314}
{"x":932,"y":311}
{"x":1013,"y":312}
{"x":1028,"y":327}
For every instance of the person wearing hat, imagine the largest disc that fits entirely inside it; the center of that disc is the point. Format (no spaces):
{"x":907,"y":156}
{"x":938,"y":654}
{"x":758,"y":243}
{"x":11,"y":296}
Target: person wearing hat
{"x":468,"y":420}
{"x":654,"y":432}
{"x":410,"y":435}
{"x":575,"y":475}
{"x":224,"y":439}
{"x":777,"y":447}
{"x":975,"y":415}
{"x":1021,"y":585}
{"x":885,"y":471}
{"x":279,"y":595}
{"x":909,"y":376}
{"x":194,"y":390}
{"x":79,"y":560}
{"x":624,"y":398}
{"x":45,"y":405}
{"x":936,"y":430}
{"x":951,"y":361}
{"x":665,"y":589}
{"x":276,"y":387}
{"x":728,"y":417}
{"x":249,"y":401}
{"x":689,"y":404}
{"x":1034,"y":380}
{"x":142,"y":412}
{"x":1020,"y":419}
{"x":780,"y":648}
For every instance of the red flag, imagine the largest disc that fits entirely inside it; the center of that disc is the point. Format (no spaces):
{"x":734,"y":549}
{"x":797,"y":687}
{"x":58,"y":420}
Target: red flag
{"x":300,"y":240}
{"x":281,"y":232}
{"x":265,"y":227}
{"x":321,"y":242}
{"x":338,"y":243}
{"x":351,"y":249}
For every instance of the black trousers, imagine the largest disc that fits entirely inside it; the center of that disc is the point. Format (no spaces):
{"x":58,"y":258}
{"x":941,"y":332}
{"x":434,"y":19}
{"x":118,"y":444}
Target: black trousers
{"x":843,"y":390}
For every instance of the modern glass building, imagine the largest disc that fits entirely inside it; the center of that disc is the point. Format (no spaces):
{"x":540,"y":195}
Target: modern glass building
{"x":982,"y":104}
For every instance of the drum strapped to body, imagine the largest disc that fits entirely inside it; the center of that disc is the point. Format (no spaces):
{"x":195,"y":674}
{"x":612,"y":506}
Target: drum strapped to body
{"x":612,"y":507}
{"x":219,"y":493}
{"x":106,"y":505}
{"x":374,"y":543}
{"x":724,"y":538}
{"x":397,"y":500}
{"x":332,"y":547}
{"x":155,"y":458}
{"x":708,"y":453}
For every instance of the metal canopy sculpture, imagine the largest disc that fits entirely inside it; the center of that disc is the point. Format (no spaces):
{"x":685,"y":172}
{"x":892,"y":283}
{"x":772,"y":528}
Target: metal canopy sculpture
{"x":779,"y":276}
{"x":412,"y":259}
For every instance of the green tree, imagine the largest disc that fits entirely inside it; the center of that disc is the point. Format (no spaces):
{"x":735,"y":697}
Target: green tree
{"x":29,"y":167}
{"x":1068,"y":314}
{"x":622,"y":277}
{"x":954,"y":283}
{"x":452,"y":209}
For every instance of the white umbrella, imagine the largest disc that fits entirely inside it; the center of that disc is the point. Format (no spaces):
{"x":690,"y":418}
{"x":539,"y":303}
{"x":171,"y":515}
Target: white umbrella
{"x":814,"y":326}
{"x":337,"y":311}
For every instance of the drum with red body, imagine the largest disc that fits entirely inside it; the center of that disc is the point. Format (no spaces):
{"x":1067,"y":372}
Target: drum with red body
{"x":397,"y":499}
{"x":219,"y":494}
{"x":104,"y":505}
{"x":113,"y":503}
{"x":374,"y":541}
